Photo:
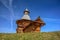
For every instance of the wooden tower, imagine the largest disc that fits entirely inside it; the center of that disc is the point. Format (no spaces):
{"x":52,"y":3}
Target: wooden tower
{"x":25,"y":24}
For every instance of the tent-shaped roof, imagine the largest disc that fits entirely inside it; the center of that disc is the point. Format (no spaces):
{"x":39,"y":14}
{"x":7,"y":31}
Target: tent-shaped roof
{"x":39,"y":20}
{"x":26,"y":17}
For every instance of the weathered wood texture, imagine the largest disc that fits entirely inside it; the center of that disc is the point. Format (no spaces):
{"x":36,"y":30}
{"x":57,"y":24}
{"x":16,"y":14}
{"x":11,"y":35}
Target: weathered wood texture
{"x":28,"y":26}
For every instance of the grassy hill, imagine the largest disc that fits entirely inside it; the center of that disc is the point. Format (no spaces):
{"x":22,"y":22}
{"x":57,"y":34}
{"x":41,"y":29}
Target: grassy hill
{"x":31,"y":36}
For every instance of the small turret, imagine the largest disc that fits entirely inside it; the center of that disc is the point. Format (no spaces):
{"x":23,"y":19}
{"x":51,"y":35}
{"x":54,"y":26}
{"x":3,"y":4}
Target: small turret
{"x":26,"y":14}
{"x":40,"y":21}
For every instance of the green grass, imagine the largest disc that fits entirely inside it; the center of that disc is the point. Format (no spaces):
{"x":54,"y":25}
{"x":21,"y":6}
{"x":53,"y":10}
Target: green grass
{"x":31,"y":36}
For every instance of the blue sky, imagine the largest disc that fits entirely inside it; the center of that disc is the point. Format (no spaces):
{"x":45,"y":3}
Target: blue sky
{"x":12,"y":10}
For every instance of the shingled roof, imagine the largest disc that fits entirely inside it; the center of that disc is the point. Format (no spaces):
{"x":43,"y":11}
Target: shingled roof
{"x":39,"y":20}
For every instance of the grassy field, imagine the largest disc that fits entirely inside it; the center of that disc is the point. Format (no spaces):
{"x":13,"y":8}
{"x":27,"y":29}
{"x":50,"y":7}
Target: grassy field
{"x":31,"y":36}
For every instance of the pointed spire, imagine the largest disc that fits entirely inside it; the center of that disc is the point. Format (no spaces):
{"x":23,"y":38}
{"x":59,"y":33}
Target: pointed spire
{"x":26,"y":9}
{"x":38,"y":19}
